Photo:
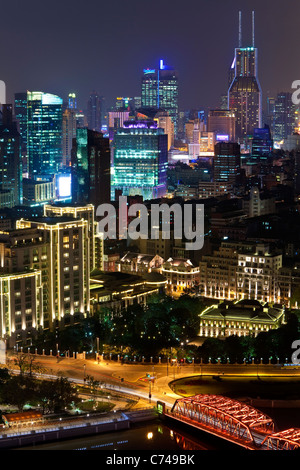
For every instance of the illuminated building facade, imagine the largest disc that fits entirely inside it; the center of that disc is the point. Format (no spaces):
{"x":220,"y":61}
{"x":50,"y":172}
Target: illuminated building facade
{"x":221,"y":122}
{"x":140,"y":160}
{"x":69,"y":126}
{"x":257,"y":275}
{"x":241,"y":270}
{"x":261,"y":145}
{"x":72,"y":101}
{"x":160,"y":90}
{"x":244,"y":94}
{"x":164,"y":121}
{"x":283,"y":116}
{"x":139,"y":263}
{"x":227,"y":162}
{"x":77,"y":212}
{"x":181,"y":274}
{"x":90,"y":168}
{"x":38,"y":192}
{"x":64,"y":251}
{"x":21,"y":306}
{"x":44,"y":134}
{"x":21,"y":116}
{"x":242,"y":318}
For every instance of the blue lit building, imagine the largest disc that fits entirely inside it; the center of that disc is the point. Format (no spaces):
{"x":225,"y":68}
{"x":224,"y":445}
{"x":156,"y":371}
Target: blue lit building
{"x":262,"y":144}
{"x":44,"y":134}
{"x":160,"y":90}
{"x":140,"y":160}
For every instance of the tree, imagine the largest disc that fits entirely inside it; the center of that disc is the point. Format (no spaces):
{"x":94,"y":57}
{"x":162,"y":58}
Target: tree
{"x":18,"y":390}
{"x":94,"y":386}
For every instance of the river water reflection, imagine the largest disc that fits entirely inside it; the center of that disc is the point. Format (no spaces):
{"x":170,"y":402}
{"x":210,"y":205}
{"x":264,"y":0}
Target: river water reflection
{"x":150,"y":436}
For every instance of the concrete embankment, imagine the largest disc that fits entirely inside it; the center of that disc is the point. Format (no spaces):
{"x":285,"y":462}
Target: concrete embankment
{"x":264,"y":403}
{"x":51,"y":432}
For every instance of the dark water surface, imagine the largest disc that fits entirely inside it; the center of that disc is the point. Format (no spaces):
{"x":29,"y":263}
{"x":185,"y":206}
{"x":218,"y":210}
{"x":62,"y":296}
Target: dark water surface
{"x":150,"y":436}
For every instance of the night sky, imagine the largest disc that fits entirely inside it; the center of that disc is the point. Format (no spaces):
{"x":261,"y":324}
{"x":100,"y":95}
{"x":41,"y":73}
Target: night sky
{"x":61,"y":46}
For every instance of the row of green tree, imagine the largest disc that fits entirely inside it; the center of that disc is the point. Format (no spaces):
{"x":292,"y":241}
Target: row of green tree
{"x":164,"y":326}
{"x":142,"y":330}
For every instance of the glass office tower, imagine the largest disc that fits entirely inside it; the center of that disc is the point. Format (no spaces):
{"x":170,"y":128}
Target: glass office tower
{"x":44,"y":134}
{"x":160,"y":90}
{"x":140,"y":160}
{"x":227,"y":162}
{"x":284,"y":118}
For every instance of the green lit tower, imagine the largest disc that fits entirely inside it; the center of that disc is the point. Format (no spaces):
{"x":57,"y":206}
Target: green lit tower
{"x":44,"y":134}
{"x":160,"y":90}
{"x":140,"y":160}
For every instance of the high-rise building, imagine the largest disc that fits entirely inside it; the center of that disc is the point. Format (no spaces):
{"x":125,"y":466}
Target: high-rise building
{"x":244,"y":94}
{"x":262,"y":144}
{"x":76,"y":211}
{"x":164,"y":121}
{"x":283,"y":116}
{"x":94,"y":111}
{"x":2,"y":92}
{"x":72,"y":101}
{"x":60,"y":250}
{"x":222,"y":122}
{"x":227,"y":162}
{"x":44,"y":133}
{"x":21,"y":117}
{"x":90,"y":168}
{"x":160,"y":90}
{"x":10,"y":160}
{"x":140,"y":160}
{"x":69,"y":126}
{"x":116,"y":119}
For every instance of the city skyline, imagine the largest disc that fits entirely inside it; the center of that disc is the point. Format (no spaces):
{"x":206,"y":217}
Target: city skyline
{"x":200,"y":46}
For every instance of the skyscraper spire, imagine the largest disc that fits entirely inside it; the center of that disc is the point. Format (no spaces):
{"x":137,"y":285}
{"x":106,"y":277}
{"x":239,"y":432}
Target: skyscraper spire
{"x":253,"y":29}
{"x":240,"y":29}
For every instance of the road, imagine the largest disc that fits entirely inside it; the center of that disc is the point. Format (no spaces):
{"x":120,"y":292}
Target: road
{"x":135,"y":379}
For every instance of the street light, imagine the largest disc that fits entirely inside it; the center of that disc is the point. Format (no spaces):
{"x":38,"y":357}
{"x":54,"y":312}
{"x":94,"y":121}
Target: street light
{"x":84,"y":370}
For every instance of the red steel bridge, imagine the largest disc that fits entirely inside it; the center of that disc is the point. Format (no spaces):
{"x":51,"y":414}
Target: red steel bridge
{"x":234,"y":421}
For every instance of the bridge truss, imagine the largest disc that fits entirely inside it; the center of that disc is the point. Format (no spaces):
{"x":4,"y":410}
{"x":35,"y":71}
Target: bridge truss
{"x":288,"y":439}
{"x":225,"y":416}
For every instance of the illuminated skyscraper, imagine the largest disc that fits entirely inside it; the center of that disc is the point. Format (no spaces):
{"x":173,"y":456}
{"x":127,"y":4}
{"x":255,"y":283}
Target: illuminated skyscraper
{"x":72,"y":101}
{"x":283,"y":116}
{"x":69,"y":125}
{"x":227,"y":162}
{"x":160,"y":90}
{"x":244,"y":94}
{"x":90,"y":168}
{"x":140,"y":160}
{"x":44,"y":133}
{"x":21,"y":116}
{"x":222,"y":122}
{"x":94,"y":112}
